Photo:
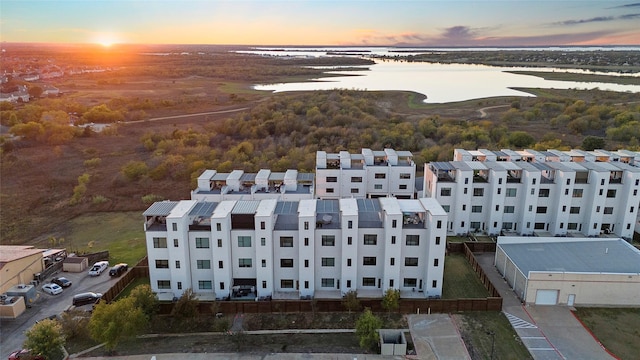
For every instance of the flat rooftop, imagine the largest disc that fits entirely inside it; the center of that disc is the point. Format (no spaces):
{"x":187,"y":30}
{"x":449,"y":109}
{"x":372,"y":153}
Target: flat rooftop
{"x":577,"y":256}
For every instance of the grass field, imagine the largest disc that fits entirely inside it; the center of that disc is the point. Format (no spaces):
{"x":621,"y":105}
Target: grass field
{"x":119,"y":232}
{"x":618,"y":329}
{"x":459,"y":279}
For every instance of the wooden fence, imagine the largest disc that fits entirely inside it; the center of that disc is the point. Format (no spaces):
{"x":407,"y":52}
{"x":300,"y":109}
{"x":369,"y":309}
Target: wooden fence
{"x":138,"y":271}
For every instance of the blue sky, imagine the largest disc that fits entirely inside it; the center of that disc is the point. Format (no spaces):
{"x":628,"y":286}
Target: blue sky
{"x":321,"y":22}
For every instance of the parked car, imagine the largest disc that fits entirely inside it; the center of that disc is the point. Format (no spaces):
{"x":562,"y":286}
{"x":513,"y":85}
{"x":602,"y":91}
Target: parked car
{"x":86,"y":298}
{"x":62,"y":281}
{"x":24,"y":354}
{"x":52,"y":289}
{"x":98,"y":268}
{"x":118,"y":269}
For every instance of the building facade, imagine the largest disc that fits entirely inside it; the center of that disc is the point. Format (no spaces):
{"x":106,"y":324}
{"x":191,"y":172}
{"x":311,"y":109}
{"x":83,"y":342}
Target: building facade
{"x":551,"y":193}
{"x":370,"y":174}
{"x":296,"y":249}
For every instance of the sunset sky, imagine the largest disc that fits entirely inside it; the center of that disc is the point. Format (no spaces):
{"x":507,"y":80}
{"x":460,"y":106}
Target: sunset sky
{"x":321,"y":22}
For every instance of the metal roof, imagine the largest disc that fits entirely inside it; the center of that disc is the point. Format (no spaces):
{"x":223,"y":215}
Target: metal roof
{"x":588,"y":256}
{"x":276,"y":176}
{"x":542,"y":166}
{"x":287,"y":207}
{"x":246,"y":207}
{"x":220,"y":176}
{"x":204,"y":209}
{"x":248,"y":177}
{"x":476,"y":165}
{"x":160,"y":208}
{"x":368,"y":205}
{"x":306,"y":176}
{"x":442,"y":165}
{"x":327,"y":206}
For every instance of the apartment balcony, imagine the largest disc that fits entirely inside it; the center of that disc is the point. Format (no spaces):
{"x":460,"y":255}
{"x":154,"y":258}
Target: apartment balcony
{"x":513,"y":180}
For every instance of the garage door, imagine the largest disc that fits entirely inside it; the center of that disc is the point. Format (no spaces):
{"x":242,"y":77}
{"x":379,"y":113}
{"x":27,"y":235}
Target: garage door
{"x":546,"y":297}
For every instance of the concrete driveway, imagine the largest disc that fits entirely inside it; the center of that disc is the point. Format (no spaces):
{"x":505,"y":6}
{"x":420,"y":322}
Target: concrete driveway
{"x":548,"y":332}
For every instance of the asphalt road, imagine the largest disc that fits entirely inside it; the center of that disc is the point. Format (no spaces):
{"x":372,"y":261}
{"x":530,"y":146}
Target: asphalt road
{"x":12,"y":330}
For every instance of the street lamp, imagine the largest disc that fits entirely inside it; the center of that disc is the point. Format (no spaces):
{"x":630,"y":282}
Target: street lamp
{"x":493,"y":342}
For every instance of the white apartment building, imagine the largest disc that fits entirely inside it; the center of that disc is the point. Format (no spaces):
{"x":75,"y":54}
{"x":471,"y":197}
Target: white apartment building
{"x":370,"y":174}
{"x":551,"y":193}
{"x":296,"y":249}
{"x":266,"y":184}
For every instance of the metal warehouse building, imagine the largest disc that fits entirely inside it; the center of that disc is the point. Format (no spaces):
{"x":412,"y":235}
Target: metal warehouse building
{"x":571,"y":271}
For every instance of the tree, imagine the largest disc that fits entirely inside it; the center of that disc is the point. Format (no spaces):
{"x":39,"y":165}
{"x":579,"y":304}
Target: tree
{"x":134,"y":170}
{"x":367,"y":327}
{"x":45,"y":338}
{"x":350,"y":301}
{"x":591,"y":143}
{"x":186,"y":307}
{"x":111,"y":323}
{"x":35,"y":91}
{"x":145,"y":300}
{"x":391,"y":300}
{"x":521,"y":139}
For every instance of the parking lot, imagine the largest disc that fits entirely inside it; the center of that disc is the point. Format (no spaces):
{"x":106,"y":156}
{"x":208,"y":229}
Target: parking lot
{"x":12,"y":330}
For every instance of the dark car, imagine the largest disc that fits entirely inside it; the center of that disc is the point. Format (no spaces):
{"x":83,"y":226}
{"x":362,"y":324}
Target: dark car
{"x":24,"y":354}
{"x":62,"y":282}
{"x":86,"y":298}
{"x":118,"y":269}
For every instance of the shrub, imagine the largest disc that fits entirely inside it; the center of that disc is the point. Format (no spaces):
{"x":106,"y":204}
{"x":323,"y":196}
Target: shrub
{"x":99,"y":199}
{"x":94,"y":162}
{"x":151,"y":198}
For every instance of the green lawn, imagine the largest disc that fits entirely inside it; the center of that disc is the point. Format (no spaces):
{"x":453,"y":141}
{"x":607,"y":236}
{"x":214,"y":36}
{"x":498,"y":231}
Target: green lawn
{"x":460,"y":281}
{"x":121,"y":233}
{"x":618,"y":329}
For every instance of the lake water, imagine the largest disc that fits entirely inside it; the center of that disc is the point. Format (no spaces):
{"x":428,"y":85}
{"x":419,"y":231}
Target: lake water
{"x":440,"y":83}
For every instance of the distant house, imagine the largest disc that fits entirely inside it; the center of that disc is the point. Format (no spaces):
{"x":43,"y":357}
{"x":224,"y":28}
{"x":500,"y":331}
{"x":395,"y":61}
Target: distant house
{"x":50,"y":90}
{"x":18,"y":264}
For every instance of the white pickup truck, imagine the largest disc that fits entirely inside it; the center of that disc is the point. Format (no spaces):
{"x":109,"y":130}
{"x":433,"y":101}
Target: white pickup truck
{"x":98,"y":268}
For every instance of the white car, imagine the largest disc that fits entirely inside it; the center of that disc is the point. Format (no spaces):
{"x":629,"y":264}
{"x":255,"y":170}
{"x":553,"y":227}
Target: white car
{"x":52,"y":289}
{"x":98,"y":268}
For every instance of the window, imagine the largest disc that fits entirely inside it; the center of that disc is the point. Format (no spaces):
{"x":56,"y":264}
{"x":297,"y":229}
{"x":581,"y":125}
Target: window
{"x":568,"y":181}
{"x":499,"y":181}
{"x":244,"y":263}
{"x":601,"y":192}
{"x":328,"y":240}
{"x":631,"y":209}
{"x":436,"y":262}
{"x":530,"y":207}
{"x":507,"y":225}
{"x":368,"y":281}
{"x":511,"y":192}
{"x":286,"y":263}
{"x":445,"y":192}
{"x":348,"y":283}
{"x":405,"y":176}
{"x":179,"y":285}
{"x":286,"y":284}
{"x":219,"y":243}
{"x":263,"y":242}
{"x":410,"y":282}
{"x":244,"y":241}
{"x":577,"y":193}
{"x":403,"y":187}
{"x":478,"y":191}
{"x":497,"y":207}
{"x":499,"y":190}
{"x":264,"y":284}
{"x":264,"y":263}
{"x":597,"y":209}
{"x":369,"y":260}
{"x":377,"y":187}
{"x":434,"y":283}
{"x":509,"y":209}
{"x":574,"y":210}
{"x":533,"y":191}
{"x":370,"y":239}
{"x":354,"y":190}
{"x":218,"y":227}
{"x":566,"y":191}
{"x":263,"y":225}
{"x":543,"y":193}
{"x":306,"y":284}
{"x":446,"y":208}
{"x":306,"y":225}
{"x":611,"y":193}
{"x":348,"y":262}
{"x":221,"y":285}
{"x":476,"y":209}
{"x":159,"y":242}
{"x":162,"y":264}
{"x":286,"y":241}
{"x":533,"y":181}
{"x":349,"y":240}
{"x":174,"y":226}
{"x":475,"y":225}
{"x":635,"y":192}
{"x":439,"y":224}
{"x":306,"y":263}
{"x":608,"y":210}
{"x":380,"y":176}
{"x":306,"y":241}
{"x":601,"y":181}
{"x":220,"y":264}
{"x":393,"y":239}
{"x":329,"y":190}
{"x":328,"y":261}
{"x":350,"y":224}
{"x":572,"y":226}
{"x":564,"y":208}
{"x":203,"y":264}
{"x":541,"y":210}
{"x":325,"y":282}
{"x":177,"y":264}
{"x":175,"y":242}
{"x":466,"y":180}
{"x":392,"y":261}
{"x":437,"y":240}
{"x":464,"y":207}
{"x":356,"y":179}
{"x":202,"y":243}
{"x":164,"y":284}
{"x":411,"y":261}
{"x":332,"y":179}
{"x":390,"y":282}
{"x":465,"y":191}
{"x":413,"y":240}
{"x":394,"y":223}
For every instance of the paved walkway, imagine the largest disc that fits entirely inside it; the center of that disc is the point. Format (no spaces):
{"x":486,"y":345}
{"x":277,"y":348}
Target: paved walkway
{"x":436,"y":337}
{"x":549,"y":332}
